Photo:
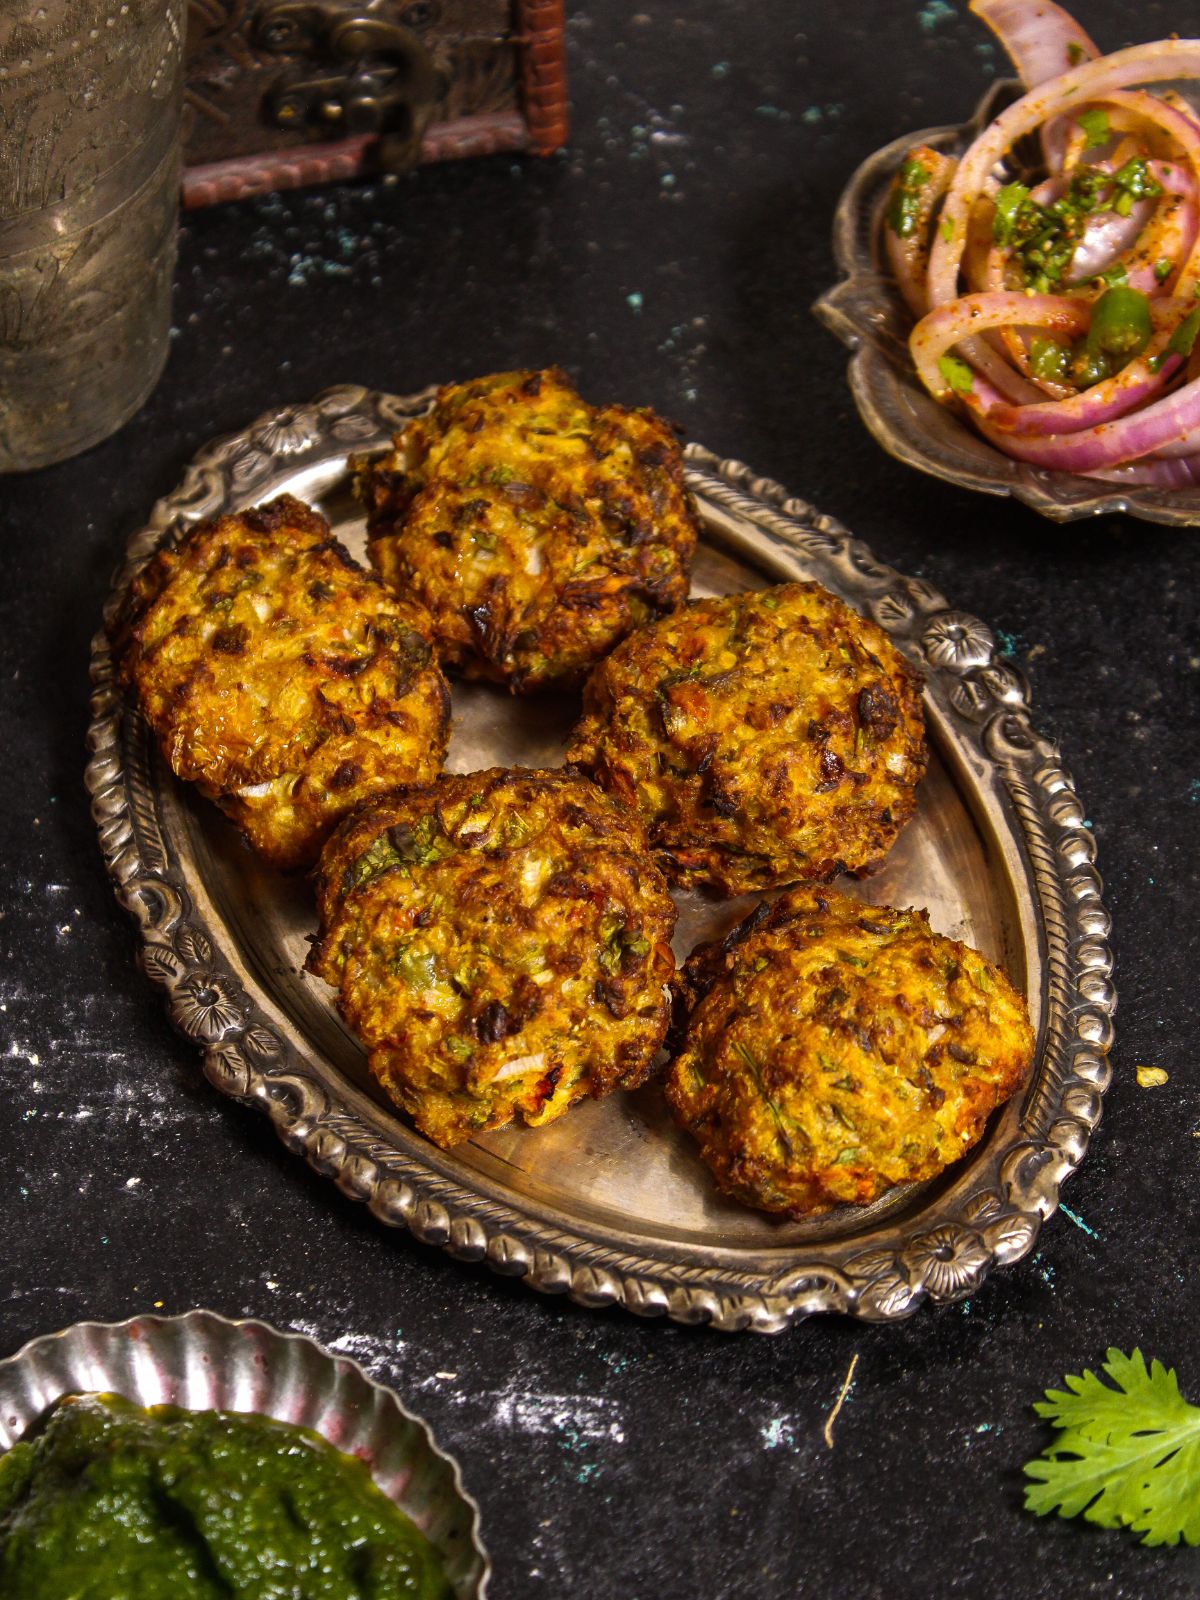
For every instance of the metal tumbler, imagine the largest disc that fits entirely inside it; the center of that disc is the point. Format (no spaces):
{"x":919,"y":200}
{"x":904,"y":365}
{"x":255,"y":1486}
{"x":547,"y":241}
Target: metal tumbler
{"x":90,"y":99}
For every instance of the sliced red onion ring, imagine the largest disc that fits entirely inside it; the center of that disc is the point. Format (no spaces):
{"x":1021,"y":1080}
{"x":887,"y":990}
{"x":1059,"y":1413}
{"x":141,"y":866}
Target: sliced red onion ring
{"x":1179,"y":177}
{"x":908,"y":256}
{"x":1010,"y":384}
{"x":1136,"y":383}
{"x":1142,"y":424}
{"x":1154,"y":231}
{"x":1159,"y":62}
{"x":1108,"y":237}
{"x":1041,"y":39}
{"x":975,"y":314}
{"x":1169,"y":421}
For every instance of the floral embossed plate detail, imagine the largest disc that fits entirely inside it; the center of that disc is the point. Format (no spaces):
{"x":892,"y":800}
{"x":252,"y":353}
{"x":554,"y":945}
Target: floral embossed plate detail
{"x":610,"y":1204}
{"x":865,"y":310}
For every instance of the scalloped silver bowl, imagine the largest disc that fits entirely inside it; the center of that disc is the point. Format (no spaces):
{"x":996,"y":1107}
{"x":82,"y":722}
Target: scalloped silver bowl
{"x":865,"y":310}
{"x":202,"y":1361}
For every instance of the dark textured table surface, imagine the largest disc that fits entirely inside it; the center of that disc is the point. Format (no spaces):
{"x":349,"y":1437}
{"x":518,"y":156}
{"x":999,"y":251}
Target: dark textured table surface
{"x":669,"y":257}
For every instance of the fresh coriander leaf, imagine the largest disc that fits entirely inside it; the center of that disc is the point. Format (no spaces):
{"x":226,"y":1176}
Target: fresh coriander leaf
{"x":1137,"y":180}
{"x":377,"y":859}
{"x":1127,"y":1456}
{"x":905,"y":208}
{"x":1009,"y":201}
{"x":1096,"y":126}
{"x":784,"y":1128}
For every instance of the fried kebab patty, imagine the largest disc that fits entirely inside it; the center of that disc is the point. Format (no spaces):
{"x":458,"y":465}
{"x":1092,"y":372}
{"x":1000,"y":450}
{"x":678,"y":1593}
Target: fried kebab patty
{"x":829,"y":1050}
{"x":500,"y":942}
{"x":281,"y":677}
{"x":537,"y":529}
{"x":766,"y":738}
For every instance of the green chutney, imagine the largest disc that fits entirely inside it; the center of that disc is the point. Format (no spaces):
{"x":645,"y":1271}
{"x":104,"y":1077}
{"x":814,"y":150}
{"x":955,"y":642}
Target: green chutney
{"x":113,"y":1502}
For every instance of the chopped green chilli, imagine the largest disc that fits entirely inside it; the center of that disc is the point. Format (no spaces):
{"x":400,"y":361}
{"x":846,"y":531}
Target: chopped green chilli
{"x":1183,"y":339}
{"x":957,"y":374}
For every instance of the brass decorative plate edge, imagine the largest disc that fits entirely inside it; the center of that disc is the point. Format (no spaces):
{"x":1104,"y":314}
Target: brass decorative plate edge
{"x":950,"y":1246}
{"x":246,"y":1365}
{"x":866,"y":312}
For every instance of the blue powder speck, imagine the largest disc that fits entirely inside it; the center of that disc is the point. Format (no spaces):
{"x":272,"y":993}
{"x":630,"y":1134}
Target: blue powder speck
{"x":1044,"y":1270}
{"x":1011,"y":644}
{"x":1078,"y":1221}
{"x":720,"y":69}
{"x":634,"y":301}
{"x":1194,"y":791}
{"x":812,"y":116}
{"x":936,"y":11}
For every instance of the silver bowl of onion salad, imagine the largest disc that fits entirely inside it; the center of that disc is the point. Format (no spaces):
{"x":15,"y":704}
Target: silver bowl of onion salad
{"x":1022,"y":293}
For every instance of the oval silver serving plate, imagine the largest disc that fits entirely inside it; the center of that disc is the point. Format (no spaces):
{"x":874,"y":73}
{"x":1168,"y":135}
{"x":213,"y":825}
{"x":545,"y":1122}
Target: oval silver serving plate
{"x":611,"y":1204}
{"x":867,"y":313}
{"x":203,"y":1362}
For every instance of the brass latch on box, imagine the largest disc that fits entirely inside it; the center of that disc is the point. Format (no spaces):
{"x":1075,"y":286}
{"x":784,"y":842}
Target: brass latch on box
{"x":283,"y":93}
{"x":360,"y":73}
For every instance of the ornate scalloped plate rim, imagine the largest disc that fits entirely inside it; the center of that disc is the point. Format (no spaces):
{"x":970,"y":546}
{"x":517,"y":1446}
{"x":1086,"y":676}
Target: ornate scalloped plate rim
{"x":939,"y":1257}
{"x":863,"y":291}
{"x":30,"y":1354}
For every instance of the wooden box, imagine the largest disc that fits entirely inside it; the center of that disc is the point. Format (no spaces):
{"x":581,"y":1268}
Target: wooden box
{"x":284,"y":93}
